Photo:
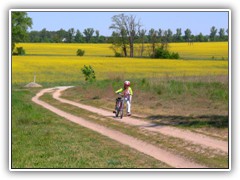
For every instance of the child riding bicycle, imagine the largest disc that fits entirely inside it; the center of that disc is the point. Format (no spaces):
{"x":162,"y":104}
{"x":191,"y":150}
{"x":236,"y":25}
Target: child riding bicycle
{"x":127,"y":93}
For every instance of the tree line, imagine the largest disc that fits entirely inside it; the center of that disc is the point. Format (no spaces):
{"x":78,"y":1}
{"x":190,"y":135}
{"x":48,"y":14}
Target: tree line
{"x":90,"y":35}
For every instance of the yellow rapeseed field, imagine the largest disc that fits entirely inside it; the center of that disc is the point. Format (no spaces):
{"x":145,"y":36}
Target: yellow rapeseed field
{"x":59,"y":63}
{"x":198,"y":50}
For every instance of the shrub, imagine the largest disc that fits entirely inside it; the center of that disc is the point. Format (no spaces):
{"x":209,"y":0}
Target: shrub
{"x":117,"y":54}
{"x":145,"y":83}
{"x":19,"y":51}
{"x":164,"y":54}
{"x":80,"y":52}
{"x":175,"y":56}
{"x":14,"y":53}
{"x":89,"y":73}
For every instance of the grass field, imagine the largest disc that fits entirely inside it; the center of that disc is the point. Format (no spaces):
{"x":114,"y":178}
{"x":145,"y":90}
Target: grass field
{"x":41,"y":139}
{"x":190,"y":93}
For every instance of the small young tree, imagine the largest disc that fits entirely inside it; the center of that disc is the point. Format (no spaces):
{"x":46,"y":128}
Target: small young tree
{"x":89,"y":73}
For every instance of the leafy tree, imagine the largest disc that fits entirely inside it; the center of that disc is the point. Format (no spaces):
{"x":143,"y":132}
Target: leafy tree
{"x":221,"y":34}
{"x":102,"y":39}
{"x":20,"y":22}
{"x":213,"y":33}
{"x":79,"y":37}
{"x":226,"y":35}
{"x":153,"y":39}
{"x":88,"y":34}
{"x":97,"y":33}
{"x":169,"y":35}
{"x":142,"y":35}
{"x":97,"y":36}
{"x":44,"y":35}
{"x":187,"y":35}
{"x":62,"y":35}
{"x":70,"y":35}
{"x":34,"y":36}
{"x":178,"y":35}
{"x":160,"y":34}
{"x":227,"y":31}
{"x":200,"y":38}
{"x":165,"y":40}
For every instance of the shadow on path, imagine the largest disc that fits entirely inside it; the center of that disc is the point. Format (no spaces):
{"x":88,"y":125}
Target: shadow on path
{"x":217,"y":121}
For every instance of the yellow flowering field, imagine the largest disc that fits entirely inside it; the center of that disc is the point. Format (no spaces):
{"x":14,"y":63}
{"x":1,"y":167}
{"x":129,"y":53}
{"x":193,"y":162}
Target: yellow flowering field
{"x":197,"y":50}
{"x":66,"y":49}
{"x":201,"y":50}
{"x":59,"y":63}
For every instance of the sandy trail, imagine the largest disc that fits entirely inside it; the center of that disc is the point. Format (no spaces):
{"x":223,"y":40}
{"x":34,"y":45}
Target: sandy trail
{"x":187,"y":135}
{"x":146,"y":148}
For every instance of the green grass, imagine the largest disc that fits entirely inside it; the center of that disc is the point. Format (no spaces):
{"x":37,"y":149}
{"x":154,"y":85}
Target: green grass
{"x":154,"y":93}
{"x":180,"y":103}
{"x":52,"y":142}
{"x":41,"y":139}
{"x":201,"y":155}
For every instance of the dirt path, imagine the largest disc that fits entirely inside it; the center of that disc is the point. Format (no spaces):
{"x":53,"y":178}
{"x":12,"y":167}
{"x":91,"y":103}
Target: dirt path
{"x":186,"y":135}
{"x":146,"y":148}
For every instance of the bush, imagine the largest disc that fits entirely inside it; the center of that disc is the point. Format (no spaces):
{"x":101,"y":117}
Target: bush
{"x":175,"y":56}
{"x":89,"y":73}
{"x":14,"y":53}
{"x":164,"y":54}
{"x":80,"y":52}
{"x":19,"y":51}
{"x":117,"y":54}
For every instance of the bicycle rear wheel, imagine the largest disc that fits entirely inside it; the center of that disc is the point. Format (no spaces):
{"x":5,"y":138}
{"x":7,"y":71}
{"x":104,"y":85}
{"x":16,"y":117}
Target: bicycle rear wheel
{"x":121,"y":114}
{"x":121,"y":109}
{"x":117,"y":112}
{"x":117,"y":109}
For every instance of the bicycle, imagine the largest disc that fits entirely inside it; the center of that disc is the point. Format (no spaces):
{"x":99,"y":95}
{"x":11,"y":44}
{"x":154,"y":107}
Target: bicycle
{"x":119,"y":106}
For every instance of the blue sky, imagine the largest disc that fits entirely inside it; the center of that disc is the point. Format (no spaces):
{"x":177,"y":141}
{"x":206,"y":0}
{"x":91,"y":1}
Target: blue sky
{"x":196,"y":21}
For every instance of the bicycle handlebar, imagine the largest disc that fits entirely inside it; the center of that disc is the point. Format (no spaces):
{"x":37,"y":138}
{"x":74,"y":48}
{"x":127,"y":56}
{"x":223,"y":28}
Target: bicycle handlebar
{"x":122,"y":95}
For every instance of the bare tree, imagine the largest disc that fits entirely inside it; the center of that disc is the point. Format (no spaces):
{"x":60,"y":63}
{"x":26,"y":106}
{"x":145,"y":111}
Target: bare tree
{"x":128,"y":25}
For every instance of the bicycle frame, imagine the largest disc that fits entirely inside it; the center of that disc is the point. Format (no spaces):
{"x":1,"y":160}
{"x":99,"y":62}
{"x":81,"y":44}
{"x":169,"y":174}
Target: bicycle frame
{"x":119,"y":107}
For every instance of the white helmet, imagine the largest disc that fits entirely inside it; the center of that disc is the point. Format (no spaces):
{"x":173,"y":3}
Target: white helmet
{"x":127,"y":83}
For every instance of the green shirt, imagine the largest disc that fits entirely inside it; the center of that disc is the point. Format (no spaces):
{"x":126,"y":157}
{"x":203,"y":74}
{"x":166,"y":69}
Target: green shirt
{"x":122,"y":89}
